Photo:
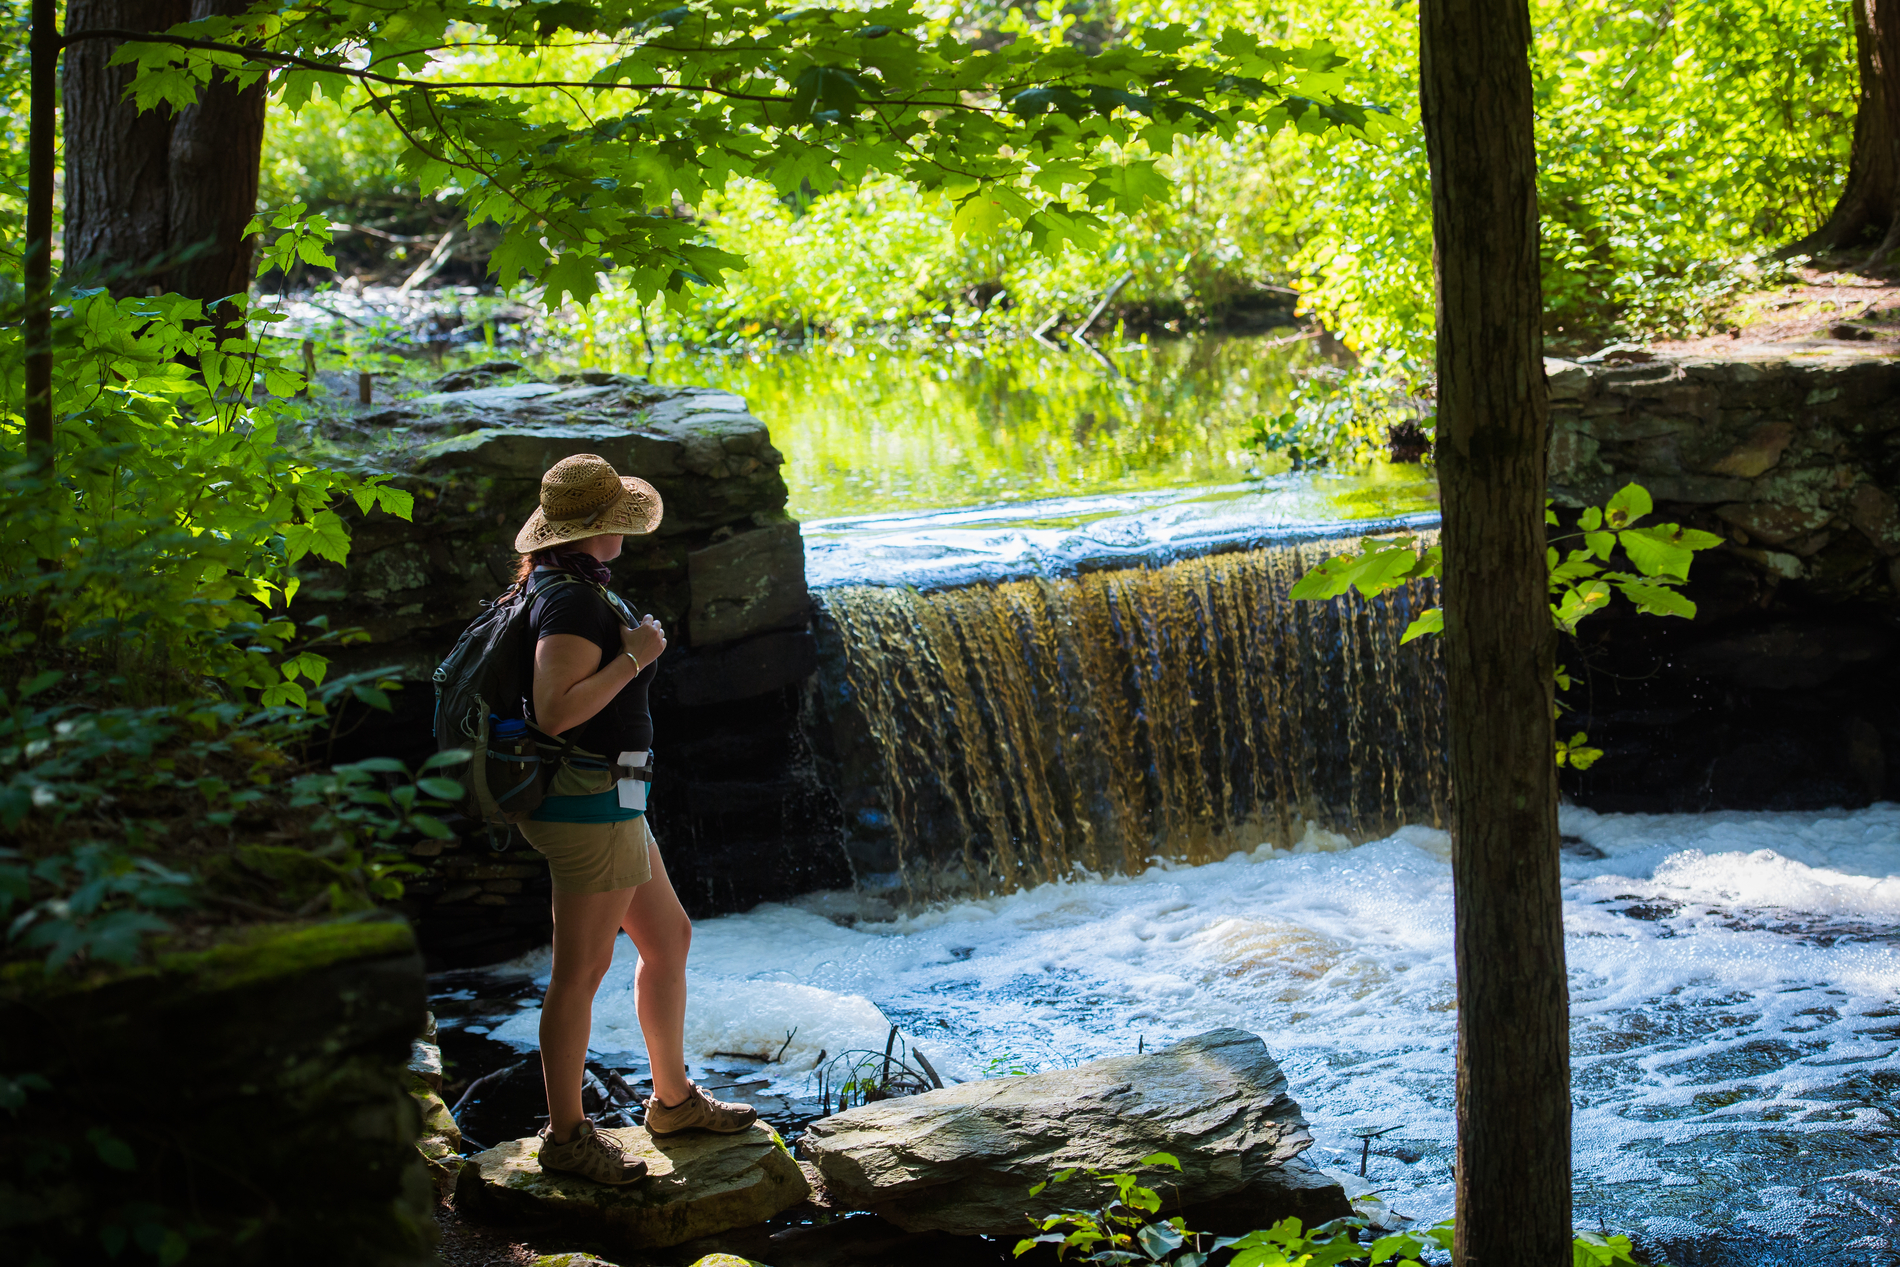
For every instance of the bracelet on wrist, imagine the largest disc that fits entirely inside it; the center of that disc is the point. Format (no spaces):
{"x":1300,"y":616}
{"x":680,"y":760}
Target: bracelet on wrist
{"x":635,"y":659}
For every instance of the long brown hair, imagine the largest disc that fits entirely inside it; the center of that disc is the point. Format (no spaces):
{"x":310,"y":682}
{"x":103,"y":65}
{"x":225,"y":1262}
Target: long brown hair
{"x":561,"y":558}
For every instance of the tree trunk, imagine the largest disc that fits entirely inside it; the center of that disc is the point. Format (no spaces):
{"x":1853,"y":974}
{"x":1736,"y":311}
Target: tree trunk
{"x":1868,"y":211}
{"x":118,"y":183}
{"x":217,"y":146}
{"x":155,"y":200}
{"x":41,"y":129}
{"x":1513,"y":1202}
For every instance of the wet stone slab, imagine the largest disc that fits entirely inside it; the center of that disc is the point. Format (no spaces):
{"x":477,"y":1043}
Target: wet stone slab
{"x":696,"y":1185}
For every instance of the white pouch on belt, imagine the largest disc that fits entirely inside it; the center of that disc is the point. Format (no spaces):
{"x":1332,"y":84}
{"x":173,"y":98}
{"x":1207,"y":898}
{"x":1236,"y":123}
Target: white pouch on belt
{"x":633,"y":792}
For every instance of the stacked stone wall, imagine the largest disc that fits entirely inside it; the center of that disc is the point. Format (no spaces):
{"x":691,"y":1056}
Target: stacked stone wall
{"x":1782,"y":693}
{"x":736,"y":803}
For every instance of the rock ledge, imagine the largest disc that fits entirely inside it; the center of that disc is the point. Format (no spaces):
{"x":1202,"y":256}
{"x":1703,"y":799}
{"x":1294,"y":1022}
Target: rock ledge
{"x":964,"y":1158}
{"x":696,"y":1185}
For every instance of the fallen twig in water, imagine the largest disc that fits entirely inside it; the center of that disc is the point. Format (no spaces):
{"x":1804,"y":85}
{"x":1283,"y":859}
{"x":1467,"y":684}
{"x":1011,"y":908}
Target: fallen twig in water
{"x":482,"y":1081}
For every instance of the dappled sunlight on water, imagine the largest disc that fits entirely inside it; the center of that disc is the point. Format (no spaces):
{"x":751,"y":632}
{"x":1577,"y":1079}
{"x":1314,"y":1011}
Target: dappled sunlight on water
{"x":873,"y":429}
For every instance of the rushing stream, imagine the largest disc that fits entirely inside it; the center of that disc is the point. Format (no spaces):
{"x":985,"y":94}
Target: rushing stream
{"x":1735,"y":999}
{"x":1134,"y":793}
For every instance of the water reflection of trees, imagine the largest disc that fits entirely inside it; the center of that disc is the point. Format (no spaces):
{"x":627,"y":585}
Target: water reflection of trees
{"x":873,"y":428}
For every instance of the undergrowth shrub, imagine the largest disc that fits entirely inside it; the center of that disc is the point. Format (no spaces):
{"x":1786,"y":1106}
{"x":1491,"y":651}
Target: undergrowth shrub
{"x":1126,"y":1229}
{"x":156,"y":700}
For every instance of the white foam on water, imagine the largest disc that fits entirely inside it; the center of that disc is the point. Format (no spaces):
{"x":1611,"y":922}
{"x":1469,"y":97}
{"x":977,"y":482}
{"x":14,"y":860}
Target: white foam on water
{"x":782,"y":1022}
{"x":1733,"y":981}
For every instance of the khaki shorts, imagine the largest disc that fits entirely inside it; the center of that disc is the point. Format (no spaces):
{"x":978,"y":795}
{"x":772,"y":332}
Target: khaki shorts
{"x":593,"y":857}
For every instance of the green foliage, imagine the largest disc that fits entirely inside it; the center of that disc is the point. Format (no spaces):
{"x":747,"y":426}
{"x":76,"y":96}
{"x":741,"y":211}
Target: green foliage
{"x":121,"y":813}
{"x":1120,"y":1229}
{"x":1007,"y":1065}
{"x":1659,"y":553}
{"x":158,"y":688}
{"x":1124,"y":1231}
{"x":14,"y":25}
{"x":173,"y":517}
{"x":581,"y":167}
{"x":1330,"y":420}
{"x":100,"y":905}
{"x":338,"y":160}
{"x":364,"y":818}
{"x":1674,"y":143}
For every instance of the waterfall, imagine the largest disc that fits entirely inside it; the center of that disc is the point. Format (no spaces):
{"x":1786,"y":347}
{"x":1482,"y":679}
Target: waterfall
{"x":1015,"y":732}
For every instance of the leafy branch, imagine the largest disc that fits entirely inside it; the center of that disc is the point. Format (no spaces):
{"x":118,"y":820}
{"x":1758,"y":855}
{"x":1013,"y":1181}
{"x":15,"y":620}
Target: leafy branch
{"x":1124,"y":1231}
{"x":649,"y":105}
{"x":1579,"y":583}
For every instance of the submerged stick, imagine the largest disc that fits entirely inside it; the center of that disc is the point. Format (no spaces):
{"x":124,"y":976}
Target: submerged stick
{"x":930,"y":1072}
{"x":482,"y":1081}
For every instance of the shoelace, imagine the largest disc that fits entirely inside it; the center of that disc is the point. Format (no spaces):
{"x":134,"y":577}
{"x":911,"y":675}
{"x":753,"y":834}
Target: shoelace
{"x":608,"y":1146}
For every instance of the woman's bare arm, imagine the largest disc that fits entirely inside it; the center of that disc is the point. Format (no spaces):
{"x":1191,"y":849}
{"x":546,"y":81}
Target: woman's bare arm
{"x":571,"y":685}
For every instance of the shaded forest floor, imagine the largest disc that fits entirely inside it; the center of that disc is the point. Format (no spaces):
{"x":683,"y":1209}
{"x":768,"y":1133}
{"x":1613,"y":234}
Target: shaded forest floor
{"x":1825,"y":306}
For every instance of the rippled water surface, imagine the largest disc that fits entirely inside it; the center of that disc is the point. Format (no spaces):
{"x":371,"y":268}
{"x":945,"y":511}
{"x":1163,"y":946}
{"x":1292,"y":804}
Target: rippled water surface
{"x":1735,"y":992}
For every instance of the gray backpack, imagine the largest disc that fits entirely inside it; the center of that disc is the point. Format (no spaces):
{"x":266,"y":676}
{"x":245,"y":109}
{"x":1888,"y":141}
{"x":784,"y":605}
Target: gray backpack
{"x":479,"y":694}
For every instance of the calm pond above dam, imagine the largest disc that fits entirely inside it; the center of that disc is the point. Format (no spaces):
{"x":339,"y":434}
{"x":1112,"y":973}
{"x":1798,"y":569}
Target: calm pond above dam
{"x":870,"y":430}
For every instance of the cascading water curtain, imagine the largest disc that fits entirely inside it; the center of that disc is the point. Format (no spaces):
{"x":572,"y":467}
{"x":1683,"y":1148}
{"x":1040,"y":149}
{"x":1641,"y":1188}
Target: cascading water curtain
{"x":1022,"y":731}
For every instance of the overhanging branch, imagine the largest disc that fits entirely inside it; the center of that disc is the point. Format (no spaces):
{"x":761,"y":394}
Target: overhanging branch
{"x":271,"y":57}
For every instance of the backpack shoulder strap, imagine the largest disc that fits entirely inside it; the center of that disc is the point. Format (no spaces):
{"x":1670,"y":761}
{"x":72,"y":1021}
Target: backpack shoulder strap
{"x":540,"y":580}
{"x":620,"y":607}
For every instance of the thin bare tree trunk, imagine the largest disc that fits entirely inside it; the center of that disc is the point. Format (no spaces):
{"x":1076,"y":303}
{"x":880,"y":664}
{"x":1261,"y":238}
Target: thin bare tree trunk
{"x":1868,"y":210}
{"x":1513,"y":1202}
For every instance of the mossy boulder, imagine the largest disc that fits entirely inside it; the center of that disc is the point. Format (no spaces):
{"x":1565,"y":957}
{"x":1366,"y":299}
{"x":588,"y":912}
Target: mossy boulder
{"x":243,"y":1103}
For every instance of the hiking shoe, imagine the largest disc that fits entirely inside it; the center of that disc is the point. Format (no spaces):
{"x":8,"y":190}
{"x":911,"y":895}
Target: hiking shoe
{"x":590,"y":1155}
{"x":699,"y":1112}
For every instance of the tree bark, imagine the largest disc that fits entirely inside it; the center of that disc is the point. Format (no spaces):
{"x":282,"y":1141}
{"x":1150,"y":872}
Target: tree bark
{"x":1868,"y":210}
{"x":217,"y":146}
{"x":1513,"y":1200}
{"x":118,"y":183}
{"x":42,"y":99}
{"x":156,"y":200}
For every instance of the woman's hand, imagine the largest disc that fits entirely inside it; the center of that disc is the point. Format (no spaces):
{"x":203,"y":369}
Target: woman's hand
{"x":570,"y":683}
{"x":645,"y":642}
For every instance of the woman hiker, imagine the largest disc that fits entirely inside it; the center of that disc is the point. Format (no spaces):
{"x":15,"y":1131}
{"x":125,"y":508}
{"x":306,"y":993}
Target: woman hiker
{"x":591,"y":672}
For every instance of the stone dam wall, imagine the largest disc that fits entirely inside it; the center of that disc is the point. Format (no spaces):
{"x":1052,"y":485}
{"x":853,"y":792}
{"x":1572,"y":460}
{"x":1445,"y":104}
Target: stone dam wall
{"x":1782,"y":693}
{"x":737,"y":801}
{"x":1779,"y":695}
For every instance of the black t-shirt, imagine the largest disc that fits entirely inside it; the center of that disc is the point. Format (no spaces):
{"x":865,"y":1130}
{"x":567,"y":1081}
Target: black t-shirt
{"x":576,"y":607}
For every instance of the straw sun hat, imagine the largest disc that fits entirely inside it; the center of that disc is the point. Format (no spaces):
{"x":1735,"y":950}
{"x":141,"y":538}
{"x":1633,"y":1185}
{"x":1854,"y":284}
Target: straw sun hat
{"x":583,"y":496}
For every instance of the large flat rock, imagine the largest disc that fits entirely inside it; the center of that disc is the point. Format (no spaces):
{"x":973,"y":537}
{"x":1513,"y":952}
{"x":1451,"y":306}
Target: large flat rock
{"x":964,"y":1158}
{"x":696,"y":1185}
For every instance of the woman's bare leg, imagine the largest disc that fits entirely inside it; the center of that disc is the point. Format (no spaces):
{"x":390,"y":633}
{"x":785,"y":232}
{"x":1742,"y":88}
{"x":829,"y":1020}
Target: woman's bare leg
{"x":585,"y":925}
{"x":663,"y":934}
